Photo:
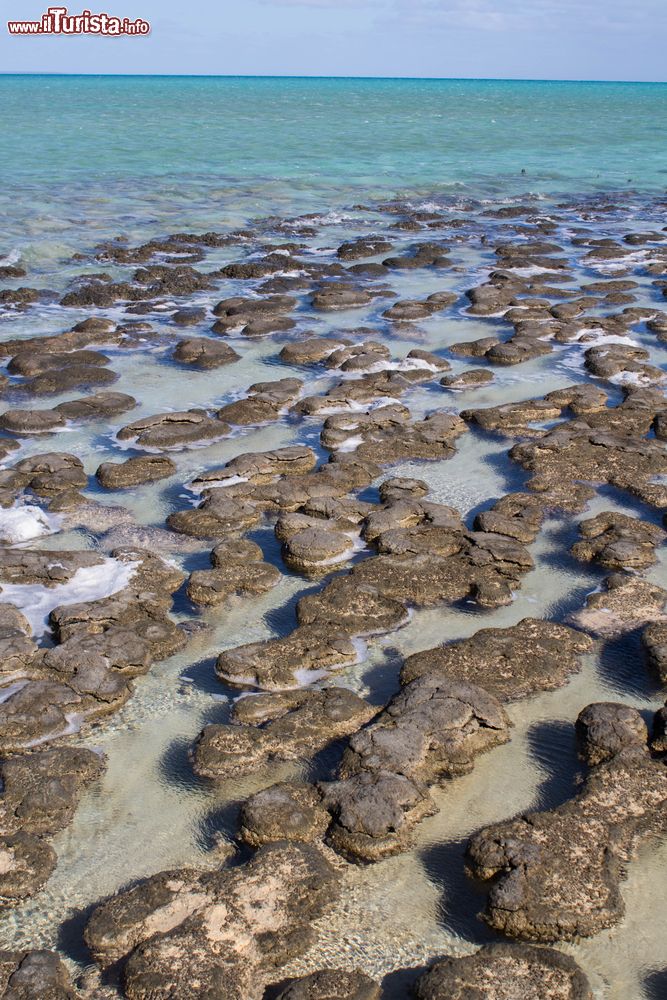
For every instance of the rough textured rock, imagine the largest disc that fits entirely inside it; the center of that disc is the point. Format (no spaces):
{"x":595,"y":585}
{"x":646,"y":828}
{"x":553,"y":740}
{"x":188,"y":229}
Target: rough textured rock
{"x":505,"y":972}
{"x":100,"y":644}
{"x":654,"y":641}
{"x":40,"y":792}
{"x":34,"y":975}
{"x":560,"y":871}
{"x":339,"y":297}
{"x":28,"y":363}
{"x":305,"y":655}
{"x":291,"y":810}
{"x":218,"y":933}
{"x":606,"y":728}
{"x":66,"y":379}
{"x":316,"y":550}
{"x":134,"y":471}
{"x":332,"y":984}
{"x":96,"y":406}
{"x":45,"y":474}
{"x":479,"y":566}
{"x":618,"y":541}
{"x":311,"y":351}
{"x":173,"y":430}
{"x":259,"y":467}
{"x":200,"y":352}
{"x":264,"y":403}
{"x":278,"y":727}
{"x":238,"y":568}
{"x":573,"y":452}
{"x":352,"y":608}
{"x":624,"y":603}
{"x":511,"y":663}
{"x":469,"y":379}
{"x":26,"y":423}
{"x":430,"y":731}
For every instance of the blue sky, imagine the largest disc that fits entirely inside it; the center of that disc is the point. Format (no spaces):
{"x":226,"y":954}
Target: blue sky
{"x":546,"y":39}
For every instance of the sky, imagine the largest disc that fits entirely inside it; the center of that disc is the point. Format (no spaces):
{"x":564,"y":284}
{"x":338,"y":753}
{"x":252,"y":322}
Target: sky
{"x":508,"y":39}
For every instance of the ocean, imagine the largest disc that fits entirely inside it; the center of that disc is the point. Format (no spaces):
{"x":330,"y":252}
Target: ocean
{"x":85,"y":156}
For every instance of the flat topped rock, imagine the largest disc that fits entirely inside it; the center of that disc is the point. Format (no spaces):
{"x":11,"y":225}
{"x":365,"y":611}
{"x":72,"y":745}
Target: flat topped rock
{"x":46,"y":474}
{"x":505,"y":972}
{"x":98,"y":404}
{"x":29,"y":975}
{"x":265,"y":402}
{"x":316,"y":550}
{"x":134,"y":471}
{"x":606,"y":728}
{"x":469,"y":379}
{"x":305,"y":655}
{"x":177,"y":429}
{"x":48,"y":569}
{"x":618,"y":541}
{"x":339,"y":297}
{"x":289,"y":810}
{"x":72,"y":377}
{"x":352,"y":608}
{"x":201,"y":352}
{"x":654,"y":641}
{"x":364,"y":246}
{"x":29,"y":363}
{"x":239,"y":568}
{"x":281,"y":726}
{"x":25,"y":423}
{"x":430,"y":731}
{"x":191,"y":934}
{"x":511,"y":663}
{"x":260,"y":467}
{"x":624,"y":603}
{"x":332,"y":984}
{"x":560,"y":870}
{"x":40,"y":792}
{"x":310,"y":351}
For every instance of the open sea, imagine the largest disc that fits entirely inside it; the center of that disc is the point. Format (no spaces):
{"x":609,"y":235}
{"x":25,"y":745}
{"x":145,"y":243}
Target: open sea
{"x":84,"y":157}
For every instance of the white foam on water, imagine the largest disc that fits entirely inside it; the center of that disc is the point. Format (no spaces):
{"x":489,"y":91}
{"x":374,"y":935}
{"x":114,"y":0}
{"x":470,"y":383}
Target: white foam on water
{"x":351,"y":444}
{"x":89,"y":583}
{"x":630,"y":378}
{"x":210,"y":484}
{"x":21,"y":523}
{"x":13,"y":257}
{"x":11,"y":689}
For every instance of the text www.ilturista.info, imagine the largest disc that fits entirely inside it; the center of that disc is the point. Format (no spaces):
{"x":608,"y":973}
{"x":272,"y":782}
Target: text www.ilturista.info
{"x":57,"y":21}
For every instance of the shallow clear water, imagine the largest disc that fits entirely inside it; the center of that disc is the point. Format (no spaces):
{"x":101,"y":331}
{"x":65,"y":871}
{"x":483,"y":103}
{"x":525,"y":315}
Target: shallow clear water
{"x":94,"y":157}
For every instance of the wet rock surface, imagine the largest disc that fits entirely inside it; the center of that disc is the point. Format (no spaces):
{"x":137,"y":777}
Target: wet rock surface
{"x":188,"y":933}
{"x":430,"y":731}
{"x":505,"y":972}
{"x":40,"y":792}
{"x":33,"y":974}
{"x":332,"y":984}
{"x":510,"y":663}
{"x":134,"y":472}
{"x":280,"y":726}
{"x":561,"y":870}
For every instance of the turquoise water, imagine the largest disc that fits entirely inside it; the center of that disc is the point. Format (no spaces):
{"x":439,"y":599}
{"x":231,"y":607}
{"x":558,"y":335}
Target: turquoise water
{"x":86,"y":156}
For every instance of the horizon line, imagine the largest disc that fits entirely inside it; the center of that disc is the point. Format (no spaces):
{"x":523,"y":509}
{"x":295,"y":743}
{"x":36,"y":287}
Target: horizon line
{"x":317,"y":76}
